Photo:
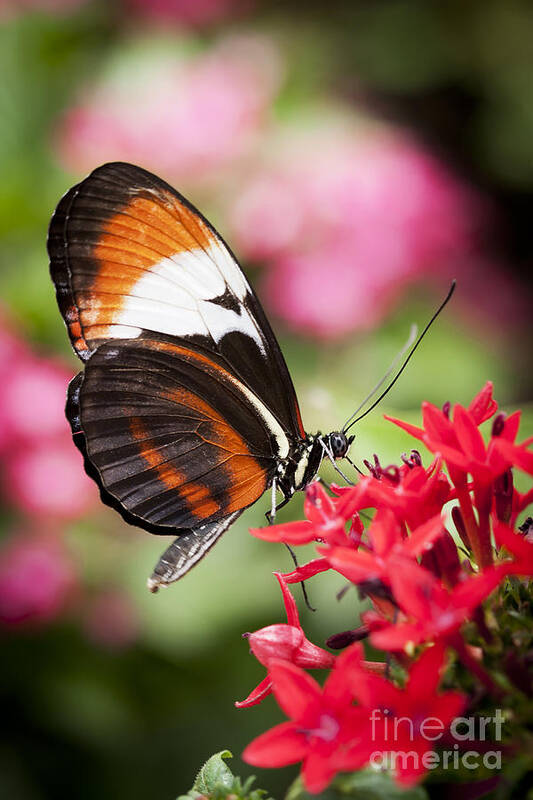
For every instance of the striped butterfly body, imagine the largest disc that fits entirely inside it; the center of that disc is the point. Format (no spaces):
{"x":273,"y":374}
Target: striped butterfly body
{"x":185,"y":411}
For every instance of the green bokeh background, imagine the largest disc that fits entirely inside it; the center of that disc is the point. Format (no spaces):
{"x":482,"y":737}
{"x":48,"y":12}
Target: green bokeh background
{"x":88,"y":722}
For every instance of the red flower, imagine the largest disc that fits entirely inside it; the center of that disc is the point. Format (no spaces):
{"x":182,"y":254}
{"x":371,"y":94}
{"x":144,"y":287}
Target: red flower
{"x":434,"y":611}
{"x":414,"y":493}
{"x":386,"y":545}
{"x":325,"y":732}
{"x":408,"y":720}
{"x":460,"y":442}
{"x":284,"y":641}
{"x":462,"y":447}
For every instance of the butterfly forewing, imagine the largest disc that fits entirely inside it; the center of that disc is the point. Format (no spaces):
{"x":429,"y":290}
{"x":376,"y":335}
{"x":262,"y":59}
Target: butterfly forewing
{"x":131,"y":258}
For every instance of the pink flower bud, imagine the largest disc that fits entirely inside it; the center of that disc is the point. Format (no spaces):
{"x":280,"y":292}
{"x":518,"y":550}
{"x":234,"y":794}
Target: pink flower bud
{"x":288,"y":643}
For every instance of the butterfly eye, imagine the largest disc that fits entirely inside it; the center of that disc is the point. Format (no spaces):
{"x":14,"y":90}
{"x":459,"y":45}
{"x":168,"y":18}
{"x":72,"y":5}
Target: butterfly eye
{"x":338,"y":444}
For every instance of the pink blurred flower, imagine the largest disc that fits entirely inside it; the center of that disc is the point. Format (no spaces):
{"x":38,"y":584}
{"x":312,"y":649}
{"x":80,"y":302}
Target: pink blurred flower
{"x":189,"y":12}
{"x":185,"y":118}
{"x":111,"y":619}
{"x":346,"y":220}
{"x":33,"y":398}
{"x":47,"y":478}
{"x":37,"y":578}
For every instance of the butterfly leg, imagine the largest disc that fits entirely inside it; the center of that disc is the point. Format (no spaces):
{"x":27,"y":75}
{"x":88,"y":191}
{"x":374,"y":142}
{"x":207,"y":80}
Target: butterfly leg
{"x":273,"y":503}
{"x":271,"y":516}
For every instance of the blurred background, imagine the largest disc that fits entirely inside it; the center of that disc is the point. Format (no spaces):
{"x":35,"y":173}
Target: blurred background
{"x":356,"y":156}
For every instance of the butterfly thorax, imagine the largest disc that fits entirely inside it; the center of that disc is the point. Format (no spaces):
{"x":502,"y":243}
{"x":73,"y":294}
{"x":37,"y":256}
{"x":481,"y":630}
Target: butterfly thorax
{"x":301,"y":467}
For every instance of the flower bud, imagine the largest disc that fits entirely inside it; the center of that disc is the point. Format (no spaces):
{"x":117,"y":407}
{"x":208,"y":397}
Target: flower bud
{"x":460,"y":526}
{"x":345,"y":638}
{"x":288,"y":643}
{"x":503,"y":494}
{"x":499,"y":424}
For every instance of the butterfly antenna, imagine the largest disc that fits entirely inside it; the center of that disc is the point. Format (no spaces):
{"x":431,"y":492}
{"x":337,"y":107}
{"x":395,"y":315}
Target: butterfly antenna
{"x":412,"y":336}
{"x":405,"y":363}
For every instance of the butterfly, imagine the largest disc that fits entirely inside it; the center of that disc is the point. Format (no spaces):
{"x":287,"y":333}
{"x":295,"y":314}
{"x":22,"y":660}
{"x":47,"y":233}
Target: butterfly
{"x":185,"y":412}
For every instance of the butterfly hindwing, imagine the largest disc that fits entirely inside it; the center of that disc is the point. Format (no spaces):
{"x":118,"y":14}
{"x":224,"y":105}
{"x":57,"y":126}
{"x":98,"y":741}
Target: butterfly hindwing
{"x":131,"y":258}
{"x":175,"y":439}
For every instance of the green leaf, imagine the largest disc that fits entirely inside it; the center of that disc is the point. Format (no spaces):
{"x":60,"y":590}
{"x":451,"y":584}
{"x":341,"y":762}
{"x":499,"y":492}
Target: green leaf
{"x":216,"y":781}
{"x":215,"y":774}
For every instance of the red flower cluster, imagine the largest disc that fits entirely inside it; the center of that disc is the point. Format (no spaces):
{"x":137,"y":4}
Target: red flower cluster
{"x":423,"y":589}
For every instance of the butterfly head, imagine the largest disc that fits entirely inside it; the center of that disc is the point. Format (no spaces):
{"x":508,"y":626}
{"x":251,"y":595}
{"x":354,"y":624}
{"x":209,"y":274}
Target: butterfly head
{"x":338,"y":443}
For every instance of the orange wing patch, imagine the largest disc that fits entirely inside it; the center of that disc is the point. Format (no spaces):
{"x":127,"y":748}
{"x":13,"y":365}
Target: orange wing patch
{"x":245,"y":478}
{"x":197,"y":496}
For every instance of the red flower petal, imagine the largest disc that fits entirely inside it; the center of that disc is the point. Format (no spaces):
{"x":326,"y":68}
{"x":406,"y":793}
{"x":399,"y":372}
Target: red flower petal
{"x":418,"y":433}
{"x":450,"y":454}
{"x":318,"y":505}
{"x":337,"y":689}
{"x":317,"y":772}
{"x":468,"y":435}
{"x":483,"y":406}
{"x":384,"y":531}
{"x":437,"y":425}
{"x":356,"y":566}
{"x":425,"y":673}
{"x":295,"y":690}
{"x":517,"y":545}
{"x":515,"y":454}
{"x":396,"y":637}
{"x":511,"y":426}
{"x":300,"y":532}
{"x":373,"y":691}
{"x":307,"y":570}
{"x":416,"y":590}
{"x":410,"y":769}
{"x":424,"y":536}
{"x":473,"y":591}
{"x":277,"y":747}
{"x":258,"y":694}
{"x":291,"y":608}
